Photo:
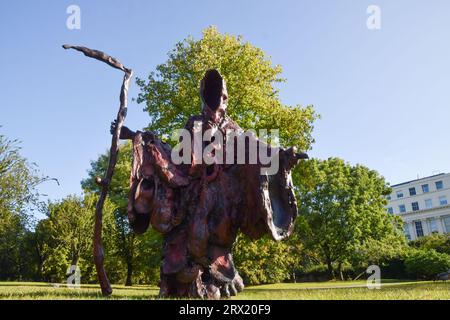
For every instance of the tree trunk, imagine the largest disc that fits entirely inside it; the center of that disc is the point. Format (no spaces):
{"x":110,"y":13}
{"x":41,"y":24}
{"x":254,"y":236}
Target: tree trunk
{"x":41,"y":259}
{"x":330,"y":268}
{"x":128,"y":281}
{"x":340,"y":271}
{"x":74,"y":260}
{"x":40,"y":271}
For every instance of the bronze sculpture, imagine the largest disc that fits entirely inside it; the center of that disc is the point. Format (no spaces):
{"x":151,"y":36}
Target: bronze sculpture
{"x":200,"y":206}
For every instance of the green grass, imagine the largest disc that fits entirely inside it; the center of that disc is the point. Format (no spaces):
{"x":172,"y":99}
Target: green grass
{"x":354,"y":290}
{"x":348,"y":290}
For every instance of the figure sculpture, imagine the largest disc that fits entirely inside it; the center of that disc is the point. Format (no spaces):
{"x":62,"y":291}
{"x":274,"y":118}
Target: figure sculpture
{"x":201,"y":207}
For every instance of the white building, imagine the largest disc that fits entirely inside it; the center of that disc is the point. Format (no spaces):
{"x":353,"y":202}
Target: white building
{"x":424,"y":205}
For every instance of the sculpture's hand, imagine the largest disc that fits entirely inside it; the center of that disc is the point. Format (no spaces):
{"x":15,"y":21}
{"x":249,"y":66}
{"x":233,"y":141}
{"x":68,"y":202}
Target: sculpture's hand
{"x":112,"y":129}
{"x":292,"y":157}
{"x":125,"y":133}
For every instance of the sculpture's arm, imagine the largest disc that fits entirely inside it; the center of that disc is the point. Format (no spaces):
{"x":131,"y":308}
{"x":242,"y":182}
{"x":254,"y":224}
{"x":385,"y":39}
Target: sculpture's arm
{"x":125,"y":133}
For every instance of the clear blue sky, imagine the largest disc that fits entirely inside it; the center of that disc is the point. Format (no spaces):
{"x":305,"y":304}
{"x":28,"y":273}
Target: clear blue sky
{"x":384,"y":95}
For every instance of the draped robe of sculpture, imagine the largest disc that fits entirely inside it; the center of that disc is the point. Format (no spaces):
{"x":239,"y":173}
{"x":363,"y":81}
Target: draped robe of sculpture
{"x":200,"y":208}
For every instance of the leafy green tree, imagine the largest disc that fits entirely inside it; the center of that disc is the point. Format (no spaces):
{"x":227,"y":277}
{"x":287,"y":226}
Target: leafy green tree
{"x":72,"y":224}
{"x":18,"y":180}
{"x":40,"y":247}
{"x":264,"y":260}
{"x":435,"y":241}
{"x":343,"y":215}
{"x":64,"y":238}
{"x":171,"y":94}
{"x":426,"y":264}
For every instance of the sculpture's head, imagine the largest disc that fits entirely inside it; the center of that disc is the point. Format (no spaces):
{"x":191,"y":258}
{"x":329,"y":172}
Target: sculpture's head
{"x":214,"y":95}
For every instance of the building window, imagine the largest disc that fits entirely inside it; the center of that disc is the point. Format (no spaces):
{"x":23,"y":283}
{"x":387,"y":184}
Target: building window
{"x":433,"y":226}
{"x":402,"y":208}
{"x":415,"y":206}
{"x":412,"y":191}
{"x":399,"y":194}
{"x":388,"y":197}
{"x":428,"y":203}
{"x":406,"y":230}
{"x":390,"y":210}
{"x":439,"y":185}
{"x":425,"y":188}
{"x":447,"y":224}
{"x":443,"y":200}
{"x":419,"y":230}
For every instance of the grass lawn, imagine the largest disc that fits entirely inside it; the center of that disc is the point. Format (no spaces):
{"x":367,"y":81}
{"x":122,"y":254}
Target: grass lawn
{"x":349,"y":290}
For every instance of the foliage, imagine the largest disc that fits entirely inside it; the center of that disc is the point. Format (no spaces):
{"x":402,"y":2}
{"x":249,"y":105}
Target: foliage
{"x":435,"y":241}
{"x":171,"y":94}
{"x":343,"y":215}
{"x":264,"y":260}
{"x":18,"y":180}
{"x":426,"y":264}
{"x":138,"y":255}
{"x":42,"y":244}
{"x":64,"y":238}
{"x":119,"y":185}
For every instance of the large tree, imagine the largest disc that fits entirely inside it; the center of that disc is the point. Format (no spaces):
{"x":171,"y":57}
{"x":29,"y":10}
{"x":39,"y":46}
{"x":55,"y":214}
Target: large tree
{"x":40,"y":243}
{"x":343,"y":214}
{"x":434,"y":241}
{"x":18,"y":180}
{"x":64,"y":237}
{"x":171,"y":94}
{"x":71,"y":222}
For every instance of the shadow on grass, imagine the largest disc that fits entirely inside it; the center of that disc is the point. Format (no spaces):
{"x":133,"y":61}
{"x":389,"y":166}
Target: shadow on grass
{"x":72,"y":295}
{"x":64,"y":286}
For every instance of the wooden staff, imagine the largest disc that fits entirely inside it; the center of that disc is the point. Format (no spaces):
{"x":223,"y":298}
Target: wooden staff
{"x":114,"y":150}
